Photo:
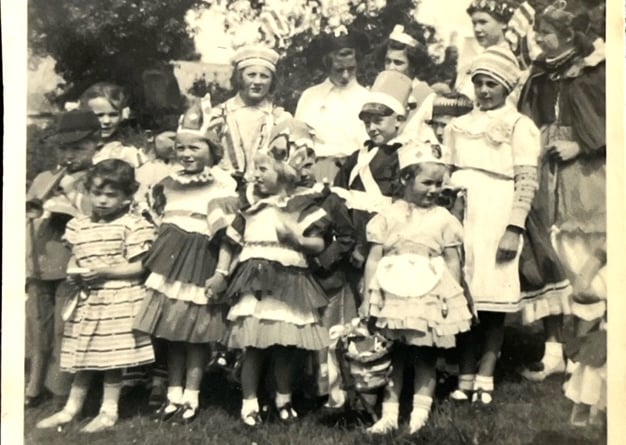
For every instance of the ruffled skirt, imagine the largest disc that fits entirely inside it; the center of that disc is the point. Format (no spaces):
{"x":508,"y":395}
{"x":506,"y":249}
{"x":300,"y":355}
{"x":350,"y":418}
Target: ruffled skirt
{"x":183,"y":321}
{"x":187,"y":257}
{"x":275,"y":305}
{"x":431,"y":319}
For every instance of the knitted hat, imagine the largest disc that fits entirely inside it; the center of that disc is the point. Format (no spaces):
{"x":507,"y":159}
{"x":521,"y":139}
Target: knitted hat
{"x":392,"y":89}
{"x":499,"y":63}
{"x":291,"y":141}
{"x":500,"y":10}
{"x":453,"y":106}
{"x":417,"y":153}
{"x":74,"y":126}
{"x":255,"y":55}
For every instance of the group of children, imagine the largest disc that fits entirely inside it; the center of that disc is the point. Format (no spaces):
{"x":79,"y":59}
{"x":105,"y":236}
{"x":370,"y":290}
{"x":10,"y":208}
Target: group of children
{"x":196,"y":259}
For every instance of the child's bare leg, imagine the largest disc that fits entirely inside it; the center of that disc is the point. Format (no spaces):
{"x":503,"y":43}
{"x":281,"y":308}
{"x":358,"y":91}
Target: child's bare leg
{"x":493,"y":328}
{"x":110,"y":398}
{"x":284,"y":360}
{"x":423,"y":387}
{"x":176,"y":373}
{"x":197,"y":355}
{"x":75,"y":401}
{"x":391,"y":399}
{"x":466,"y":347}
{"x":251,"y":365}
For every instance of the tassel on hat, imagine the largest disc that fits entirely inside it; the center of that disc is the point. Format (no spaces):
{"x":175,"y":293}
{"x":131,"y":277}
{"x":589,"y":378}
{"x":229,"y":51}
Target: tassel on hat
{"x":499,"y":63}
{"x":418,"y":153}
{"x":392,"y":89}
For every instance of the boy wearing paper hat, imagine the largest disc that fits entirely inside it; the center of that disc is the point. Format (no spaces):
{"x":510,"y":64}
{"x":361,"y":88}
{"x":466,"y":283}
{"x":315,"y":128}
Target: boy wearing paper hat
{"x":367,"y":178}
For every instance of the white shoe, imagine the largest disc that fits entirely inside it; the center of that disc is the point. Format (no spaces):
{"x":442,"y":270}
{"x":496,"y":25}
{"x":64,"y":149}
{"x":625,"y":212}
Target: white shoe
{"x":101,"y":422}
{"x":419,"y":417}
{"x":384,"y":426}
{"x":538,"y":372}
{"x":57,"y":419}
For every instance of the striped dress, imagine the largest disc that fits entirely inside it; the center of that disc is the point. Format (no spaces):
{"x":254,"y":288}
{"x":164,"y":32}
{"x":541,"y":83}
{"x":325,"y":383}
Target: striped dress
{"x":99,"y":334}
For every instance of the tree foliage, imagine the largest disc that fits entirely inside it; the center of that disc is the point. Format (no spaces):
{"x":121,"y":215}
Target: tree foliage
{"x":114,"y":40}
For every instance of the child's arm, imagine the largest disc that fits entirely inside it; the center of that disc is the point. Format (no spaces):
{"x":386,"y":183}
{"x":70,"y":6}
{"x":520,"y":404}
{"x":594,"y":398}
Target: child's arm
{"x":134,"y":269}
{"x":374,"y":257}
{"x":453,"y":261}
{"x":217,"y":283}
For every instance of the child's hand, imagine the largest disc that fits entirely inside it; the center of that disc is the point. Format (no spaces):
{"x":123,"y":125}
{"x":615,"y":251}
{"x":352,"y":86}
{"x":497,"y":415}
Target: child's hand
{"x":507,"y":249}
{"x":357,"y":259}
{"x":90,"y":277}
{"x":215,"y":285}
{"x":563,"y":150}
{"x":74,"y":274}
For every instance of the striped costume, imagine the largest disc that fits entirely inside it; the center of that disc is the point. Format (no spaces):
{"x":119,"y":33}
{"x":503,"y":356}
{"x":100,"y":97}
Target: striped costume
{"x":99,"y":335}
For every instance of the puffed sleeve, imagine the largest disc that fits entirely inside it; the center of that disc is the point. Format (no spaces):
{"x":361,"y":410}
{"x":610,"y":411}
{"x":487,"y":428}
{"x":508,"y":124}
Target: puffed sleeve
{"x":138,"y":237}
{"x":526,"y":142}
{"x":234,"y":232}
{"x":452,"y":230}
{"x":376,"y":229}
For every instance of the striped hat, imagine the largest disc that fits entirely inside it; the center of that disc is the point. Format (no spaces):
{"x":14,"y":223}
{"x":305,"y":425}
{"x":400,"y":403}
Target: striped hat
{"x":499,"y":63}
{"x":255,"y":55}
{"x":451,"y":105}
{"x":392,"y":89}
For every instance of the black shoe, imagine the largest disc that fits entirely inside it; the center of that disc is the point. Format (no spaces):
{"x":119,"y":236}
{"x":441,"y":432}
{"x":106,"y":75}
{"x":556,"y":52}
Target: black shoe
{"x":286,"y":413}
{"x":252,"y":420}
{"x":160,"y":415}
{"x":185,"y":415}
{"x":35,"y":401}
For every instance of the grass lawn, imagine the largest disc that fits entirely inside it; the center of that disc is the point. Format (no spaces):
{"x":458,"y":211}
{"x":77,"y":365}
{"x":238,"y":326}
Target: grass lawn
{"x":522,"y":413}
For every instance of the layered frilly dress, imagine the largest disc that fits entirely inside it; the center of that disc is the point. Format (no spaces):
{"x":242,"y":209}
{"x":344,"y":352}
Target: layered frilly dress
{"x":275,"y":298}
{"x":413,"y":295}
{"x":185,"y":255}
{"x":99,"y":334}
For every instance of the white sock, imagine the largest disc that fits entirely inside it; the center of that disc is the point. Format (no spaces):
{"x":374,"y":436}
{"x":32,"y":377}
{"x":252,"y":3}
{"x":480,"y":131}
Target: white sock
{"x":483,"y":382}
{"x":466,"y":381}
{"x":553,"y":353}
{"x":249,"y":406}
{"x":175,"y":394}
{"x":110,"y":398}
{"x":191,"y":396}
{"x":282,"y":399}
{"x":390,"y":410}
{"x":420,"y":412}
{"x":76,"y":399}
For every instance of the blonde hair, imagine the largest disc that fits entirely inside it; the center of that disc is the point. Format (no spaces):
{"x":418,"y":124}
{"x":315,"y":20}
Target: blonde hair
{"x":287,"y":175}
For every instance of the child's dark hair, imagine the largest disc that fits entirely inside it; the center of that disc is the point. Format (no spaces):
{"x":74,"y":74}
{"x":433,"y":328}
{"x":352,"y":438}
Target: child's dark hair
{"x":115,"y":94}
{"x":118,"y":174}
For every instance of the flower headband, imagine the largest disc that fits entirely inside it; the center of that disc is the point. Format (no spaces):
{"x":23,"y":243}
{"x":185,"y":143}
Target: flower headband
{"x":500,"y":10}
